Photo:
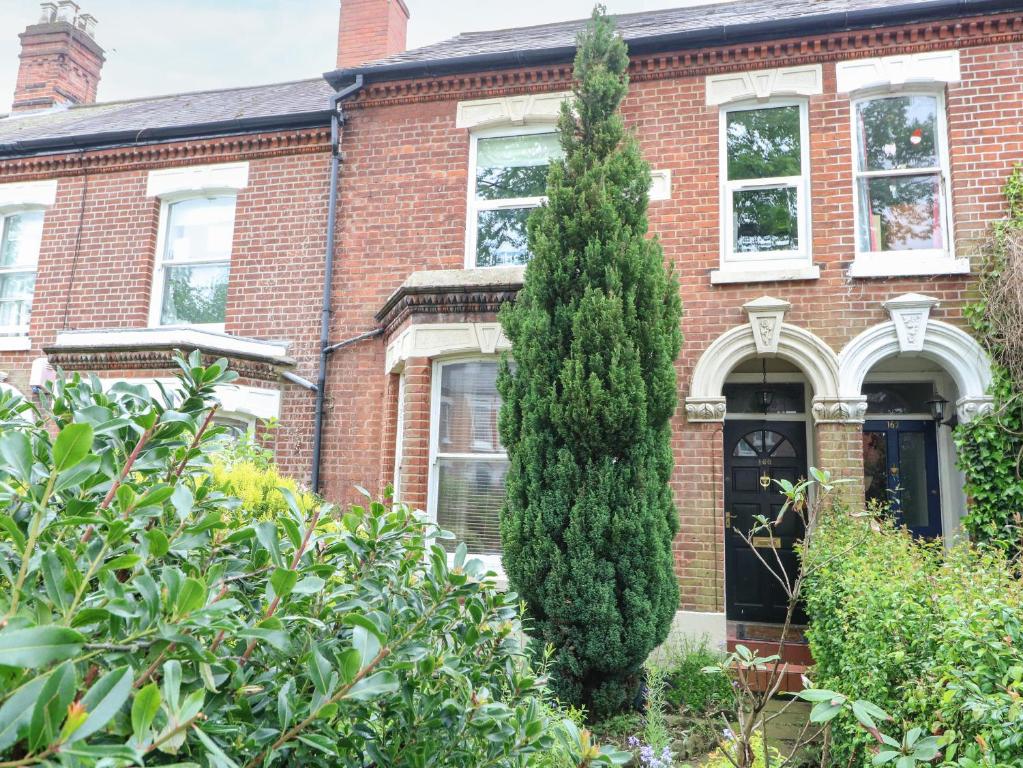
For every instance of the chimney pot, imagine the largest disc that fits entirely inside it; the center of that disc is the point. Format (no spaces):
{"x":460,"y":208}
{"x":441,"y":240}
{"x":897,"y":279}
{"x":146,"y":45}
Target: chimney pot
{"x":67,"y":10}
{"x":87,"y":23}
{"x":47,"y":13}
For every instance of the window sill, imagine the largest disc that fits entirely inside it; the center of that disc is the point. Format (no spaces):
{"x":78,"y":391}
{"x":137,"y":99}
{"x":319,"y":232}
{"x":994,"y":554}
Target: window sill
{"x":754,"y":274}
{"x":893,"y":266}
{"x":15,"y":343}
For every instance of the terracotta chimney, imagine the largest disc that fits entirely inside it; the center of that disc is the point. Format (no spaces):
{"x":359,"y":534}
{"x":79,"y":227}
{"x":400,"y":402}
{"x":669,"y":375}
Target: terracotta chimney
{"x":370,"y":30}
{"x":60,"y":59}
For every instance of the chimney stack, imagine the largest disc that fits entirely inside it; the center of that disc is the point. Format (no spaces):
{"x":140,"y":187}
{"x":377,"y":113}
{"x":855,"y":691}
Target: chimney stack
{"x":60,"y":59}
{"x":370,"y":30}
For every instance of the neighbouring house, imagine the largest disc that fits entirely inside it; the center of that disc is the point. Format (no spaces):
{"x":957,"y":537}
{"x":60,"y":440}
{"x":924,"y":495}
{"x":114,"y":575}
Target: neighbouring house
{"x":822,"y":171}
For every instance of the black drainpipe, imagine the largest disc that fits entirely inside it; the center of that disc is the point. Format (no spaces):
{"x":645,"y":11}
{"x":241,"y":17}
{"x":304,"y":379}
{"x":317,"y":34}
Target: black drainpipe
{"x":336,"y":118}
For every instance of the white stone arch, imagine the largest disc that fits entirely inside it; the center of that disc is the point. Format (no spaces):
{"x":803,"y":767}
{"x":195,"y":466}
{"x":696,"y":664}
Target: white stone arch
{"x":797,"y":345}
{"x":950,"y":347}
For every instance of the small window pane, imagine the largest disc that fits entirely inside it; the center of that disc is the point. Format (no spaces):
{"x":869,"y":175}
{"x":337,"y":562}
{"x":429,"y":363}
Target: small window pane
{"x":22,"y":237}
{"x":469,"y":408}
{"x":875,"y":469}
{"x":501,"y":237}
{"x":195,"y":295}
{"x":470,"y":493}
{"x":912,"y":488}
{"x":764,"y":143}
{"x":745,"y":398}
{"x":15,"y":300}
{"x":514,"y":166}
{"x":744,"y":450}
{"x":898,"y":397}
{"x":900,"y":213}
{"x":201,"y":229}
{"x":765,"y":220}
{"x":899,"y":132}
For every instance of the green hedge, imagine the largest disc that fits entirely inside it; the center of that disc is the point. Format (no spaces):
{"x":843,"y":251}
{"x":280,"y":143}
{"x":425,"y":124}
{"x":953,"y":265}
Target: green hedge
{"x":934,"y":638}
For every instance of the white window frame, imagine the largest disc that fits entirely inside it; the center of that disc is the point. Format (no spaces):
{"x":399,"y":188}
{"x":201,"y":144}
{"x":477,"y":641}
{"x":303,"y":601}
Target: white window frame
{"x":932,"y":261}
{"x":492,"y":562}
{"x":17,"y":336}
{"x":763,"y":266}
{"x":160,"y":262}
{"x":474,"y":206}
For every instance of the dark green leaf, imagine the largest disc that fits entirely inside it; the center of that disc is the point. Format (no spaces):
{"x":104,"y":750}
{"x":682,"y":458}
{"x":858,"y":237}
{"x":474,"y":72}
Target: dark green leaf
{"x":38,"y":646}
{"x":72,"y":445}
{"x":104,"y":699}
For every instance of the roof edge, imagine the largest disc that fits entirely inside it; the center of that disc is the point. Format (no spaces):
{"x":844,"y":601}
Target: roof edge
{"x":715,"y":35}
{"x":112,"y":139}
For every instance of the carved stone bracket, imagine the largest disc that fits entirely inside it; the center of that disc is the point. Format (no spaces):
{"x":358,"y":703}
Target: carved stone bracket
{"x":699,"y":409}
{"x":968,"y":408}
{"x":766,"y":315}
{"x":910,"y":313}
{"x":839,"y":410}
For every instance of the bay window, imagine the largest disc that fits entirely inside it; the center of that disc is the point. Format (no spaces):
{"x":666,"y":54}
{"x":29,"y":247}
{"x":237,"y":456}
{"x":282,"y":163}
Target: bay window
{"x":507,"y":180}
{"x":467,"y":462}
{"x":21,"y":234}
{"x":193,"y":261}
{"x":901,"y":188}
{"x":765,"y":172}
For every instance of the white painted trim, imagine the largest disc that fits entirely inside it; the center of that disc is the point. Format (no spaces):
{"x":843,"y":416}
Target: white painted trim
{"x":510,"y":110}
{"x":954,"y":350}
{"x":444,"y":339}
{"x":28,"y":194}
{"x":895,"y":71}
{"x":399,"y":440}
{"x":806,"y":351}
{"x":774,"y":262}
{"x":913,"y":262}
{"x":184,"y":338}
{"x":660,"y":185}
{"x":240,"y":400}
{"x":491,"y":562}
{"x":764,"y":84}
{"x":15,"y":343}
{"x":731,"y":274}
{"x":197,"y":180}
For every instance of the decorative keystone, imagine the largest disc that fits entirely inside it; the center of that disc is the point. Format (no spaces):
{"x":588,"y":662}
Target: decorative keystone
{"x":766,"y":315}
{"x":910,"y":313}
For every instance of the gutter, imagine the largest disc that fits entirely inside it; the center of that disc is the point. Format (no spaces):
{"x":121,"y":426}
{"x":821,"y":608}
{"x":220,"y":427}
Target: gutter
{"x":111,"y":139}
{"x":886,"y":16}
{"x":336,"y":120}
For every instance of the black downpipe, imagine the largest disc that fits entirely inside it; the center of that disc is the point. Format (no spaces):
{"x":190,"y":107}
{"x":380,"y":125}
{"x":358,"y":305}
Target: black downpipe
{"x":328,"y":272}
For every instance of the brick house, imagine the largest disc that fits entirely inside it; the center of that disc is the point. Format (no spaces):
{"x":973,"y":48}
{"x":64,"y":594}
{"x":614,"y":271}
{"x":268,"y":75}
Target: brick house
{"x":823,"y":171}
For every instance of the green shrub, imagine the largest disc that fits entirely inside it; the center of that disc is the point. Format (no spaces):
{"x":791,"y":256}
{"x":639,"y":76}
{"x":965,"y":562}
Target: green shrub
{"x":588,"y":519}
{"x":688,"y":687}
{"x":145,"y":621}
{"x":260,"y":489}
{"x":933,"y":638}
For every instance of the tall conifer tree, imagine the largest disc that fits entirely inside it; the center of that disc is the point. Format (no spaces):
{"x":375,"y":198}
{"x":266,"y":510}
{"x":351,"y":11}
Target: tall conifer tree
{"x":588,"y":519}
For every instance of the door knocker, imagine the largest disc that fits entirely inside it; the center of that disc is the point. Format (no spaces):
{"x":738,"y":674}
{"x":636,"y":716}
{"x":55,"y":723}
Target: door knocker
{"x":765,"y":481}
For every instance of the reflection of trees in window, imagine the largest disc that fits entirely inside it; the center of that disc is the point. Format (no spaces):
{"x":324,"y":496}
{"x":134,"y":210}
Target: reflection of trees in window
{"x":763,"y":143}
{"x":898,"y":133}
{"x":189,"y":298}
{"x":766,"y":220}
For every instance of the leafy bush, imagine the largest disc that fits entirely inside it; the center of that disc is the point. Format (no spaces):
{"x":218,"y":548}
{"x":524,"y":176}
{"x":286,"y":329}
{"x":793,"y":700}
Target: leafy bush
{"x":259,"y":489}
{"x":933,"y":638}
{"x":688,"y":687}
{"x":143,"y":621}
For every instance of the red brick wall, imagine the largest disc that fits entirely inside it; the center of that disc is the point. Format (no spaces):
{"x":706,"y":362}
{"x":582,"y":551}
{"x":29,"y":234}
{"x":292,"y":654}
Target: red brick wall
{"x":59,"y":65}
{"x":370,"y":30}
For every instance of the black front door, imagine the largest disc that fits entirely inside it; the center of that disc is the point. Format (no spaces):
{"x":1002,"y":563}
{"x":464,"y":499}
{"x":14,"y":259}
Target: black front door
{"x":900,"y":472}
{"x":755,"y":452}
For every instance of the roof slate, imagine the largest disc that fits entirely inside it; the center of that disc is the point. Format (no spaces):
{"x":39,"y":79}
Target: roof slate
{"x":635,"y":27}
{"x":305,"y":97}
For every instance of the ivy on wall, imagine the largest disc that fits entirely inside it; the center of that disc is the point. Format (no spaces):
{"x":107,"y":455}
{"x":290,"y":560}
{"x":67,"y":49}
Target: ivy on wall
{"x":990,"y":447}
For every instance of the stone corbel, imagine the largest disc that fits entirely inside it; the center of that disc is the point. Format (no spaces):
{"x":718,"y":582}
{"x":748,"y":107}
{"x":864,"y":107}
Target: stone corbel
{"x":703,"y":409}
{"x":839,"y":410}
{"x":910,"y":313}
{"x":766,"y":316}
{"x":969,"y":408}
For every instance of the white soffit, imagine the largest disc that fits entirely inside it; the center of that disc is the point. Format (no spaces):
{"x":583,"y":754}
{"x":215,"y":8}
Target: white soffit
{"x":167,"y":338}
{"x":28,"y":193}
{"x":510,"y":110}
{"x":894,"y":71}
{"x":197,"y":179}
{"x":764,"y":84}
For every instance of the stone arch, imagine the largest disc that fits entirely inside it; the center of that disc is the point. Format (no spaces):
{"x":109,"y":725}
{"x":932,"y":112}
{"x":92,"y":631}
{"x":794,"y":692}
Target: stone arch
{"x":797,"y":345}
{"x":952,"y":348}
